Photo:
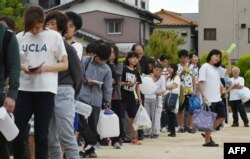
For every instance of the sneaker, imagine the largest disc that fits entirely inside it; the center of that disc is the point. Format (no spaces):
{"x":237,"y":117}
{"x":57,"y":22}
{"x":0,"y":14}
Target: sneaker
{"x":140,"y":137}
{"x":181,"y":130}
{"x":210,"y":144}
{"x":136,"y":142}
{"x":235,"y":125}
{"x":164,"y":129}
{"x":246,"y":125}
{"x":172,"y":135}
{"x":90,"y":153}
{"x":82,"y":154}
{"x":117,"y":145}
{"x":191,"y":130}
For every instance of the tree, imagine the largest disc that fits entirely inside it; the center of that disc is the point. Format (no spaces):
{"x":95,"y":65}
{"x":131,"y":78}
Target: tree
{"x":13,"y":9}
{"x":164,"y":42}
{"x":244,"y":64}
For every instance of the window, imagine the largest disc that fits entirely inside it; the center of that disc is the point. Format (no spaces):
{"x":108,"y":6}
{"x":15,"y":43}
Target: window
{"x":210,"y":34}
{"x":248,"y":35}
{"x":136,"y":2}
{"x":143,"y":5}
{"x":114,"y":27}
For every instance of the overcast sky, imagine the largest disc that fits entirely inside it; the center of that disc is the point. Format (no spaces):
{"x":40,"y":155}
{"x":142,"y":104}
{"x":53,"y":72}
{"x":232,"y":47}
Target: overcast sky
{"x":180,"y":6}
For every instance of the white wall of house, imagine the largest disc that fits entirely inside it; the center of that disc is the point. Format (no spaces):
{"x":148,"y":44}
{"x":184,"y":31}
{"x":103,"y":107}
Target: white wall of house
{"x":227,"y":16}
{"x":65,"y":1}
{"x":138,"y":3}
{"x":101,"y":5}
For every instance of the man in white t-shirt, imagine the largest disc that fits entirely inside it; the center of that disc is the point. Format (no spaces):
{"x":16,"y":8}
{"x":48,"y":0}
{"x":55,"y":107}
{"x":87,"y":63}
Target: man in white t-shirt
{"x":235,"y":101}
{"x":211,"y":89}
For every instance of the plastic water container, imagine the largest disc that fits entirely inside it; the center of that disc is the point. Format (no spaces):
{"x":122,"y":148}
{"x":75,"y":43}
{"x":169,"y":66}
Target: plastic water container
{"x":83,"y":108}
{"x":108,"y":124}
{"x":7,"y":125}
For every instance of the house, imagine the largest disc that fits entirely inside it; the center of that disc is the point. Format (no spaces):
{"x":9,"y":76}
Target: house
{"x":144,"y":4}
{"x":123,"y":22}
{"x":222,"y":22}
{"x":187,"y":28}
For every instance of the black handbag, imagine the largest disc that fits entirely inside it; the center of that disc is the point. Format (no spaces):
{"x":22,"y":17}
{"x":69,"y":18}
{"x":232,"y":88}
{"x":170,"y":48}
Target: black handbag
{"x":170,"y":100}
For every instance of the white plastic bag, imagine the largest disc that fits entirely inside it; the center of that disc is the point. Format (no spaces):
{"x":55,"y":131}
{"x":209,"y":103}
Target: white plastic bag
{"x":83,"y":108}
{"x":244,"y":94}
{"x":142,"y":120}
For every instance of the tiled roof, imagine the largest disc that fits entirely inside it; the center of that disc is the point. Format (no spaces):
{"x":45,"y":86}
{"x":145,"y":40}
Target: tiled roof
{"x":172,"y":18}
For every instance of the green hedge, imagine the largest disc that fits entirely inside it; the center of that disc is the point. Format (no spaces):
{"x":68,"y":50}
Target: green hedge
{"x":244,"y":64}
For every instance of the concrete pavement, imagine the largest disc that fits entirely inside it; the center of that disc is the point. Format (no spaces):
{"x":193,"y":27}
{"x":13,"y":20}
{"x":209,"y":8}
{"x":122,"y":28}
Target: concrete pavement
{"x":183,"y":146}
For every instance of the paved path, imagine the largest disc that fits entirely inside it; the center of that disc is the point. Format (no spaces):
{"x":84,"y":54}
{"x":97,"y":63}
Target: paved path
{"x":184,"y":146}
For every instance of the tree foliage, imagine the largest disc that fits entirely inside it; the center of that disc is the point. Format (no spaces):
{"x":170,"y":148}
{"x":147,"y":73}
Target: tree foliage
{"x":203,"y":58}
{"x":13,"y":9}
{"x":244,"y":64}
{"x":164,"y":42}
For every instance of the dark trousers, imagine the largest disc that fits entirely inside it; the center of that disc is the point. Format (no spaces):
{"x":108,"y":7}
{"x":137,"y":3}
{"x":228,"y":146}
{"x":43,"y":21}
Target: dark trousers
{"x":225,"y":104}
{"x":88,"y":127}
{"x":164,"y":119}
{"x":116,"y":107}
{"x":4,"y":148}
{"x":171,"y":122}
{"x":40,"y":104}
{"x":237,"y":106}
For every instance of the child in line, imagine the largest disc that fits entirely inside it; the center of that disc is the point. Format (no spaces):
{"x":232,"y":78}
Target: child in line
{"x":153,"y":102}
{"x":130,"y":80}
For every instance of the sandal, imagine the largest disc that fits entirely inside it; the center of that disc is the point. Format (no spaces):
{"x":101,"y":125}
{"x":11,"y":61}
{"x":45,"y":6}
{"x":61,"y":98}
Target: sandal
{"x":136,"y":142}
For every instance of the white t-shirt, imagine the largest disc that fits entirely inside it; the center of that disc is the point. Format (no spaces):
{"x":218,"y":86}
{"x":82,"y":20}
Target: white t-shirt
{"x":234,"y":93}
{"x":211,"y":75}
{"x":79,"y":49}
{"x":176,"y":90}
{"x":160,"y":85}
{"x":46,"y":46}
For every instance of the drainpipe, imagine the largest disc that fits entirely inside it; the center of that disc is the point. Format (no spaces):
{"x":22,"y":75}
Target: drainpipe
{"x":236,"y":30}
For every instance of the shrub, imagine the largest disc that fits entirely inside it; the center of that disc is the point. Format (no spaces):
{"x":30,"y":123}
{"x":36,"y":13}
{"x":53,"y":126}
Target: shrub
{"x":203,"y":58}
{"x":244,"y":64}
{"x":247,"y":78}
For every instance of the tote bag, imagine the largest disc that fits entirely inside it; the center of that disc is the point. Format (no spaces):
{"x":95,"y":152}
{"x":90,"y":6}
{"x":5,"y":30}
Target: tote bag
{"x":204,"y":120}
{"x":170,"y":101}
